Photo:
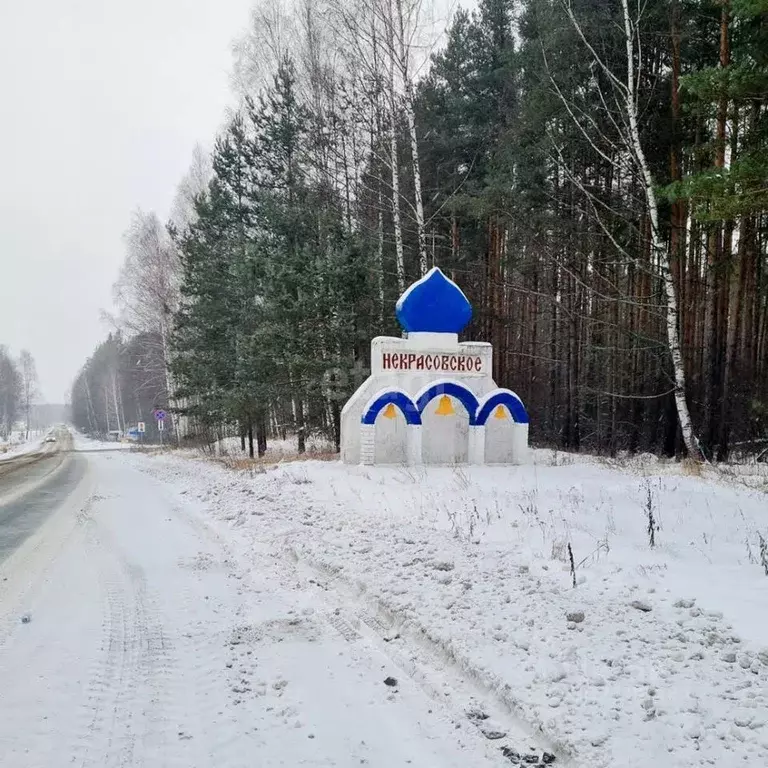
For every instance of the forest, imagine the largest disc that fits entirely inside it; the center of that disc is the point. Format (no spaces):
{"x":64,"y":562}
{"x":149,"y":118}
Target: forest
{"x":18,"y":391}
{"x":592,"y":173}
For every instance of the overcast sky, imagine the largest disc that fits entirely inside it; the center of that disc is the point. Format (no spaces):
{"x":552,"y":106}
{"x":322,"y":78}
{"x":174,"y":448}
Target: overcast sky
{"x":101,"y":103}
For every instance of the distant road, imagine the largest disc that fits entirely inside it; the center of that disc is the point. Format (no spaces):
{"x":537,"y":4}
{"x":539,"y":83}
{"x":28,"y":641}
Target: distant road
{"x":32,"y":486}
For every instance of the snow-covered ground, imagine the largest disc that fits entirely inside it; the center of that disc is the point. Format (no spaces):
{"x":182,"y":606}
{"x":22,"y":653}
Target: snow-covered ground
{"x":276,"y":449}
{"x":83,"y":443}
{"x":133,"y":634}
{"x":461,"y":578}
{"x":177,"y":613}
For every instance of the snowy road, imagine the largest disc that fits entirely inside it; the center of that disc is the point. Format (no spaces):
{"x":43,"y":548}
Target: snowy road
{"x":32,"y":485}
{"x":131,"y":635}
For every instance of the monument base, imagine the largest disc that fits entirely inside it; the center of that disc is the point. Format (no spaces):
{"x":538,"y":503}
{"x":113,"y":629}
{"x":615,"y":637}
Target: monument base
{"x":398,"y":415}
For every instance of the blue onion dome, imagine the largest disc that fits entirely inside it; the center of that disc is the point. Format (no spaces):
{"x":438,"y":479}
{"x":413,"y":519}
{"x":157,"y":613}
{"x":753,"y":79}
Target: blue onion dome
{"x":433,"y":304}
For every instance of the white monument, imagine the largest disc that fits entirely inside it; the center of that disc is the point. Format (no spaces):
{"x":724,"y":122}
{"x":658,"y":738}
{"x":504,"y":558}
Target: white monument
{"x":430,"y":399}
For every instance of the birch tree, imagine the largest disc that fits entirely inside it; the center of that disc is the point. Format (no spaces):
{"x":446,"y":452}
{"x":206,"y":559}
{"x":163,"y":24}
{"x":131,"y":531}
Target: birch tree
{"x":28,"y":372}
{"x":10,"y":392}
{"x":147,"y":291}
{"x":394,"y":162}
{"x":193,"y":184}
{"x":402,"y":18}
{"x":271,"y":37}
{"x":366,"y":40}
{"x":626,"y":150}
{"x":384,"y":35}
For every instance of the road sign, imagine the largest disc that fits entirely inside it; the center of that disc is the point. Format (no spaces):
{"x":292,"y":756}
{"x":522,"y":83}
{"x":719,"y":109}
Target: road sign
{"x":141,"y":428}
{"x":160,"y":415}
{"x":160,"y":425}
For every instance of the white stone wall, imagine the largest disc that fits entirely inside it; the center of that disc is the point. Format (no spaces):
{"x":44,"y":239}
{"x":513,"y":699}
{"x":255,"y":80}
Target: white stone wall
{"x":445,"y":439}
{"x":391,"y":439}
{"x":388,"y":439}
{"x":505,"y":442}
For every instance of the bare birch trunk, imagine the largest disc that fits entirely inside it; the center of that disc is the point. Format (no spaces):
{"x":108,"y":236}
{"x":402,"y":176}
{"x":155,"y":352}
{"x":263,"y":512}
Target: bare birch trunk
{"x":410,"y":116}
{"x":106,"y":404}
{"x":169,"y":382}
{"x":114,"y":400}
{"x":396,"y":218}
{"x":380,"y":256}
{"x":92,"y":420}
{"x":376,"y":131}
{"x":673,"y":334}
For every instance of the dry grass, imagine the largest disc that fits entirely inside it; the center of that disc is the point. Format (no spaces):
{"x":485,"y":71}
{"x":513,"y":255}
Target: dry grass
{"x":155,"y":450}
{"x":240,"y":463}
{"x":262,"y":463}
{"x":690,"y":467}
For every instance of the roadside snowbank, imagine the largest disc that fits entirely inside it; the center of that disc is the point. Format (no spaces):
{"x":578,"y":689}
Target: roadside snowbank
{"x":658,"y":657}
{"x":16,"y":446}
{"x":84,"y":443}
{"x":276,"y":450}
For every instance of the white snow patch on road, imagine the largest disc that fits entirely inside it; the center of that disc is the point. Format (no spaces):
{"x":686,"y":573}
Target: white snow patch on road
{"x":668,"y":665}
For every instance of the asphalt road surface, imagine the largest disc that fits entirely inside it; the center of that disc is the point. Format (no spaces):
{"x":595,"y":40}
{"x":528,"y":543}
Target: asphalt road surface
{"x":32,"y":486}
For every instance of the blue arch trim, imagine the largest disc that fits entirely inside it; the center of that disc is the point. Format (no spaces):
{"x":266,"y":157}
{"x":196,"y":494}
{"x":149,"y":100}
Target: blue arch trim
{"x":502,"y":397}
{"x":465,"y":396}
{"x":401,"y":400}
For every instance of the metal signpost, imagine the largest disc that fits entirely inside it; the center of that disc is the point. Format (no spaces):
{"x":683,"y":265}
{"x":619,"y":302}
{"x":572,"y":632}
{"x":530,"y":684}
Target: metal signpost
{"x":141,"y":428}
{"x":160,"y":417}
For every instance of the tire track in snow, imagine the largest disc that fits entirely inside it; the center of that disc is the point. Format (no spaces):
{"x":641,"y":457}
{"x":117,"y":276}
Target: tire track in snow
{"x":143,"y":704}
{"x":342,"y":626}
{"x":268,"y":621}
{"x":446,"y":679}
{"x":120,"y":721}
